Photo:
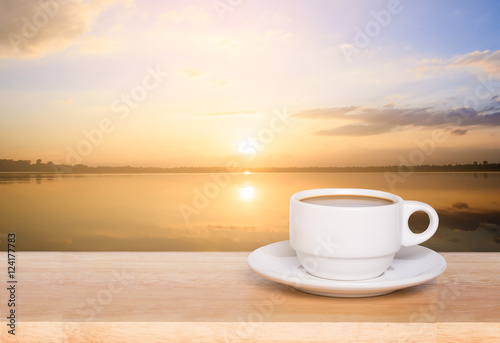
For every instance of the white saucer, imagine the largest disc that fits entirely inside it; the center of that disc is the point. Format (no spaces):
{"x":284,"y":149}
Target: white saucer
{"x":412,"y":266}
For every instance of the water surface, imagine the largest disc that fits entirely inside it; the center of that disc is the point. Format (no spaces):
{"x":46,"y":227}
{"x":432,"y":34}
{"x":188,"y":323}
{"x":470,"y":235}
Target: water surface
{"x":221,"y":212}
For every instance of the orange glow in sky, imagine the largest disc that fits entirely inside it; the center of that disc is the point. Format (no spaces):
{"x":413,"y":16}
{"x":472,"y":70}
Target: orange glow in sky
{"x":167,"y":84}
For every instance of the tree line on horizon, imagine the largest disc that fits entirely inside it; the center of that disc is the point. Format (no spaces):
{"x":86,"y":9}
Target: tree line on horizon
{"x":9,"y":165}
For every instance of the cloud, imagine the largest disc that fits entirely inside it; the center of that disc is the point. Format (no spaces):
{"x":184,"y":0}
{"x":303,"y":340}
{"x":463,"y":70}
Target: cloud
{"x":221,"y":83}
{"x":481,"y":61}
{"x":192,"y":72}
{"x":458,"y":132}
{"x":229,"y":43}
{"x":485,"y":60}
{"x":368,"y":121}
{"x":97,"y":45}
{"x":190,"y":14}
{"x":428,"y":66}
{"x":353,"y":130}
{"x":492,"y":107}
{"x":30,"y":29}
{"x":231,"y":113}
{"x":276,"y":35}
{"x":326,"y":113}
{"x":66,"y":102}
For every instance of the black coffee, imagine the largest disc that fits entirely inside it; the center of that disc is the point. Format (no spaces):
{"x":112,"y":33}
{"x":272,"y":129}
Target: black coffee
{"x":347,"y":201}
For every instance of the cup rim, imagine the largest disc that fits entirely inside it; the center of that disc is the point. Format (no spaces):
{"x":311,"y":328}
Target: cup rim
{"x":309,"y":193}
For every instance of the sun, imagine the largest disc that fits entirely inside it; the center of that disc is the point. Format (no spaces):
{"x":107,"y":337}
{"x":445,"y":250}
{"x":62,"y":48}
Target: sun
{"x":246,"y":147}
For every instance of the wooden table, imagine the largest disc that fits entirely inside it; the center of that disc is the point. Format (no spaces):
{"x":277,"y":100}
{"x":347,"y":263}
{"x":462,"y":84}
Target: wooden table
{"x":215,"y":297}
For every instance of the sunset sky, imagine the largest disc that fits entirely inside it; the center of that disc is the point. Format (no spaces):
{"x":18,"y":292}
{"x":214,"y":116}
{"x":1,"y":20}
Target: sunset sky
{"x":273,"y":83}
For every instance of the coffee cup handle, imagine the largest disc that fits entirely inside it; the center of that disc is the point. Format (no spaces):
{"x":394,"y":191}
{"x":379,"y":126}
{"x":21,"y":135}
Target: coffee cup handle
{"x":409,"y":238}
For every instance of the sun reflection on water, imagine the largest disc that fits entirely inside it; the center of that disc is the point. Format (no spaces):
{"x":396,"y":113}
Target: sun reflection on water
{"x":247,"y":192}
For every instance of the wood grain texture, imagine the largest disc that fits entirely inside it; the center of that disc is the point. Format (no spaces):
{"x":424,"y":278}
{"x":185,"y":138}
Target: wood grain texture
{"x":199,"y":296}
{"x":209,"y":332}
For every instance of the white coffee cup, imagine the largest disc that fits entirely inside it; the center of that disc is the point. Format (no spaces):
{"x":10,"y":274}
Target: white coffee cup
{"x":352,"y":234}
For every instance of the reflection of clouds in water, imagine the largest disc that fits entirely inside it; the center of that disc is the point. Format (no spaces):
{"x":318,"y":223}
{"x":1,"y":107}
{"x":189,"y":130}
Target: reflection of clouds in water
{"x":210,"y":228}
{"x":14,"y":178}
{"x":464,"y":228}
{"x":199,"y":237}
{"x":63,"y":241}
{"x":460,"y":205}
{"x":461,"y":217}
{"x":234,"y":228}
{"x":215,"y":236}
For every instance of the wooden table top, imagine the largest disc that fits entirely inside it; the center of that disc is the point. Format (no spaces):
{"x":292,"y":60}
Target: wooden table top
{"x":214,"y":296}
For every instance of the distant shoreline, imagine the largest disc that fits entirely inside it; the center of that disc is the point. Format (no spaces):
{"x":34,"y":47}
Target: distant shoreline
{"x":25,"y":166}
{"x":57,"y":170}
{"x":45,"y":174}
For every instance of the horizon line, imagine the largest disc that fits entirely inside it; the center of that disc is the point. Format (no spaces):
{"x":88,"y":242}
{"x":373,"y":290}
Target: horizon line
{"x":9,"y":165}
